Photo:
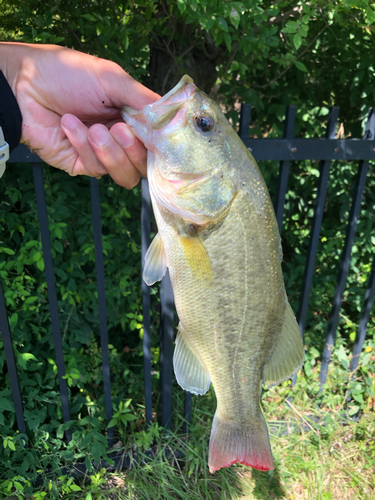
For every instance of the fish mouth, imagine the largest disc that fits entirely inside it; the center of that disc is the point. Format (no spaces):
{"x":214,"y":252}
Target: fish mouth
{"x":168,"y":111}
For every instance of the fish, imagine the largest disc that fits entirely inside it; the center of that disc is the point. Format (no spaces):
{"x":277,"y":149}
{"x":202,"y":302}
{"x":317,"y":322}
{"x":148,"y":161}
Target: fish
{"x":218,"y":236}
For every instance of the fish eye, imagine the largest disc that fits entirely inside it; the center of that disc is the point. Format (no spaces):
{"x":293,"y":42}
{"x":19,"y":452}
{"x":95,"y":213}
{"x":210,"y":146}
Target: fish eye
{"x":205,"y":123}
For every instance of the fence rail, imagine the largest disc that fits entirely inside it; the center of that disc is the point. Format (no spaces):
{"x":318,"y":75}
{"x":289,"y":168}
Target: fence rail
{"x":285,"y":150}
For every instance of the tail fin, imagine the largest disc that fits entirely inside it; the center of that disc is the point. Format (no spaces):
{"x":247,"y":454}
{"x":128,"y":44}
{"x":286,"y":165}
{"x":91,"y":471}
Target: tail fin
{"x":245,"y":444}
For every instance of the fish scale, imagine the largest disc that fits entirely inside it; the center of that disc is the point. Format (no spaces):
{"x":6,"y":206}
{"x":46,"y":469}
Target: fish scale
{"x":218,"y":236}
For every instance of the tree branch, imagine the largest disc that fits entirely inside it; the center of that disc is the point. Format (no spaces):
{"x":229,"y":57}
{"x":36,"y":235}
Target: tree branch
{"x":280,"y":18}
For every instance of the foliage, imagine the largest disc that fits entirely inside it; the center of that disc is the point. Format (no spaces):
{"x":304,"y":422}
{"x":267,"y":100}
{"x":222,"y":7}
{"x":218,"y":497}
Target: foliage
{"x":25,"y":291}
{"x":269,"y":54}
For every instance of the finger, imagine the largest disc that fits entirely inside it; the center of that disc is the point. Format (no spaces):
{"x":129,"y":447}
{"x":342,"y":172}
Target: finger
{"x":113,"y":157}
{"x":86,"y":162}
{"x":133,"y":147}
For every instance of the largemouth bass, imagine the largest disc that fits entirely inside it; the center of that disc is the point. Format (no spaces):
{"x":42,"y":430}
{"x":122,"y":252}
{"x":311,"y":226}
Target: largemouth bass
{"x":219,"y":238}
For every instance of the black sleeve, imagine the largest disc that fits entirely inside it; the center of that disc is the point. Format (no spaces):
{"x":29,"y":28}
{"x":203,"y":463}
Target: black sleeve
{"x":10,"y":114}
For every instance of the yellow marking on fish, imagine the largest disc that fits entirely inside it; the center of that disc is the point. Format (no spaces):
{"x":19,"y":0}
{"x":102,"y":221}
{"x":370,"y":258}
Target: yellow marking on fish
{"x":197,"y":257}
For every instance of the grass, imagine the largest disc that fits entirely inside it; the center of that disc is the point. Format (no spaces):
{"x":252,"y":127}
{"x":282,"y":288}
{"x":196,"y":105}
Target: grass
{"x":317,"y":454}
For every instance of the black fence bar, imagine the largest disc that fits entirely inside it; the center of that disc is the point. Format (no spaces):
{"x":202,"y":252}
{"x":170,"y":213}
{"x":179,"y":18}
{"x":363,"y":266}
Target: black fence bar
{"x":11,"y":364}
{"x":166,"y":349}
{"x":316,"y":224}
{"x":345,"y":256}
{"x":282,"y":181}
{"x":146,"y":302}
{"x":22,"y":154}
{"x":99,"y":262}
{"x":311,"y":149}
{"x":52,"y":298}
{"x":365,"y":314}
{"x":245,"y":117}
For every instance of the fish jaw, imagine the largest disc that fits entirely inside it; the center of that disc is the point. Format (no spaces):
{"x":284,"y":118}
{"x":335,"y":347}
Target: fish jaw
{"x":162,"y":116}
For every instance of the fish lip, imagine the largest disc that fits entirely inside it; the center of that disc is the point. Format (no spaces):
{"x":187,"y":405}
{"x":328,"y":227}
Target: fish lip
{"x":144,"y":122}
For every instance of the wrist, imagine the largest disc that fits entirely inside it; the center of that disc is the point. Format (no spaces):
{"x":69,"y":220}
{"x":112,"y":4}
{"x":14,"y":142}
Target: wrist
{"x":10,"y":114}
{"x":11,"y":56}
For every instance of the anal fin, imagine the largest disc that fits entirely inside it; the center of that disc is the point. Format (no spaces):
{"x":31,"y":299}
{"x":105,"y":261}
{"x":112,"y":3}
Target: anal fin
{"x":191,"y":374}
{"x":155,"y":262}
{"x":288,"y":355}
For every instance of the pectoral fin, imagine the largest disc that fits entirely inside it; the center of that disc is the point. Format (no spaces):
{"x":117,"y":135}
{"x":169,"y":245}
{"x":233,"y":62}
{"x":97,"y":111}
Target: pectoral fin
{"x":155,"y":262}
{"x":191,"y":374}
{"x":196,"y":256}
{"x":288,"y":355}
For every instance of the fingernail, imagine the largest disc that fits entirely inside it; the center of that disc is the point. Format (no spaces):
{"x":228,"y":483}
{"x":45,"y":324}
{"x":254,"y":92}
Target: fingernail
{"x":124,"y":137}
{"x":70,"y":122}
{"x":100,"y":136}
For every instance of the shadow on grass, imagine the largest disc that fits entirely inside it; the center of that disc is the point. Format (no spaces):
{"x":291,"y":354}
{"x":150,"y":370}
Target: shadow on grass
{"x":267,"y":485}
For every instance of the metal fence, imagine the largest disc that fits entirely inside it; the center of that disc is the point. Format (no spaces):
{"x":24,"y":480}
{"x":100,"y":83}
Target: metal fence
{"x":284,"y":150}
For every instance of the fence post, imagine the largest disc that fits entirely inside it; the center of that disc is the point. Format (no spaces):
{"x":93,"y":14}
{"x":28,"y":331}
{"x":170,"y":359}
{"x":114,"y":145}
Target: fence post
{"x":282,"y":181}
{"x":345,"y":256}
{"x":11,"y":364}
{"x":52,"y":298}
{"x":166,"y":349}
{"x":146,"y":303}
{"x":99,"y":263}
{"x":316,"y":224}
{"x":362,"y":328}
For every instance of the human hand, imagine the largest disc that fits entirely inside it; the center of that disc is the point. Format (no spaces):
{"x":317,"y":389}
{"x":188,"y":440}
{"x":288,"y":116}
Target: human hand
{"x":70,"y":104}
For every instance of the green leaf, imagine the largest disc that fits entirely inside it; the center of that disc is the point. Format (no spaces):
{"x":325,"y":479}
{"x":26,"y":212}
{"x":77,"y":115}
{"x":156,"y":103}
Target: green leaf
{"x":301,"y":66}
{"x":72,"y":285}
{"x":18,"y":485}
{"x":235,"y":18}
{"x":112,"y":422}
{"x":11,"y":445}
{"x":86,"y":420}
{"x":181,"y":4}
{"x":99,"y":28}
{"x":75,"y":487}
{"x":297,"y":40}
{"x":40,"y":264}
{"x":67,"y":455}
{"x":85,"y":441}
{"x":96,"y":451}
{"x":358,"y":398}
{"x":58,"y":246}
{"x":89,"y":17}
{"x":128,"y":417}
{"x":6,"y":250}
{"x":27,"y":356}
{"x":5,"y":404}
{"x":370,"y":13}
{"x":307,"y":368}
{"x":222,"y":24}
{"x":353,"y":410}
{"x":31,"y":299}
{"x":228,"y":41}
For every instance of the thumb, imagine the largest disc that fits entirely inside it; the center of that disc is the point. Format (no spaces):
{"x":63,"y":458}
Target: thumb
{"x":123,"y":90}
